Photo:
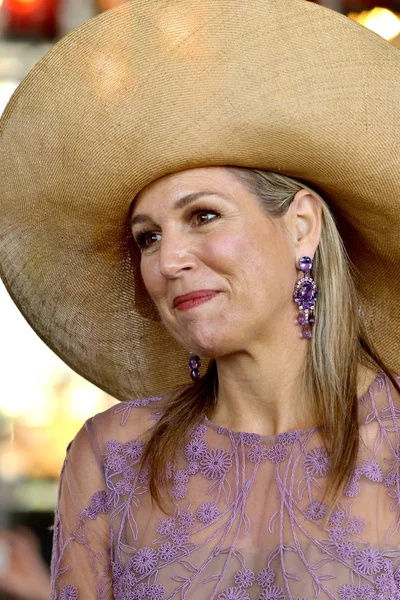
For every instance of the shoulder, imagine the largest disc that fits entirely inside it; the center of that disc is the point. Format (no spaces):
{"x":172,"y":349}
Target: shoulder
{"x":122,"y":422}
{"x":379,"y":416}
{"x":380,"y":400}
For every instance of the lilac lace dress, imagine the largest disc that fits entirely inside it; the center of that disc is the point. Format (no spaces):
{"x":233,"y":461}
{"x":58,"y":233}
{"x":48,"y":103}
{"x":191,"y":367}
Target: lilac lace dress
{"x":247,"y":517}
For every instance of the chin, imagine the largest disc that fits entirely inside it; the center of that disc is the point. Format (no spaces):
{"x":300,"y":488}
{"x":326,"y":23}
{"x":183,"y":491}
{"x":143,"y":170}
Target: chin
{"x":210,"y":346}
{"x":207,"y":340}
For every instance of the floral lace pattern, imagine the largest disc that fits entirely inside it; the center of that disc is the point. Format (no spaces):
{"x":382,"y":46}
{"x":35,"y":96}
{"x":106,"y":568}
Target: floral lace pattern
{"x":248,"y":517}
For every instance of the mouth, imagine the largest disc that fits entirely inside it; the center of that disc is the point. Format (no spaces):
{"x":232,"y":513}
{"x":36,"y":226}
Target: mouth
{"x":193,"y":299}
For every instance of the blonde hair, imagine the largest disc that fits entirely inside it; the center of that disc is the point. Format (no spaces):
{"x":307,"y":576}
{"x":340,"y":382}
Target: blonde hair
{"x":339,"y":344}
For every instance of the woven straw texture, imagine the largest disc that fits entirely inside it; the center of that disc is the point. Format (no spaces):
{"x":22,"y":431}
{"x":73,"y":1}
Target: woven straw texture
{"x":155,"y":87}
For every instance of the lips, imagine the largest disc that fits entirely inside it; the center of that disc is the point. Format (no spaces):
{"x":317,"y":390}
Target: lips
{"x":192,"y":296}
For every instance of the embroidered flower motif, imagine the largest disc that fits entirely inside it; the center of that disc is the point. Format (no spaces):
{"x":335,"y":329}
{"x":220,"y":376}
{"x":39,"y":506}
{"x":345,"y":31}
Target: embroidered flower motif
{"x":130,"y":474}
{"x":275,"y":592}
{"x":396,"y":576}
{"x":391,"y":479}
{"x":353,"y":488}
{"x":369,"y":561}
{"x":116,"y":462}
{"x":288,"y":437}
{"x":266,"y":577}
{"x":346,"y":550}
{"x":99,"y":502}
{"x":123,"y":487}
{"x":372,"y":470}
{"x":258,"y":453}
{"x":169,"y":472}
{"x":337,"y":517}
{"x":192,"y":468}
{"x":366,"y":592}
{"x":316,"y":510}
{"x":179,"y":491}
{"x":187,"y":520}
{"x":198,"y":431}
{"x":133,"y":449}
{"x":207,"y":512}
{"x":129,"y":578}
{"x":113,"y":446}
{"x":277,"y":453}
{"x":123,"y":587}
{"x":384,"y":583}
{"x":117,"y":570}
{"x":166,"y":526}
{"x":348,"y":591}
{"x":141,"y":591}
{"x":156,"y":592}
{"x":316,"y":462}
{"x":244,"y":578}
{"x":388,"y":566}
{"x":196,"y":449}
{"x":337,"y":535}
{"x":144,"y":476}
{"x":249,"y":438}
{"x":181,"y":476}
{"x":355,"y":525}
{"x":128,"y":568}
{"x":90,"y":513}
{"x":215,"y":463}
{"x":233,"y":593}
{"x":144,"y":560}
{"x":167,"y":551}
{"x":69,"y":592}
{"x":179,"y":537}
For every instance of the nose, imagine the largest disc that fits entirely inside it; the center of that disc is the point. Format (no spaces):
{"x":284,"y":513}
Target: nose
{"x":175,"y":255}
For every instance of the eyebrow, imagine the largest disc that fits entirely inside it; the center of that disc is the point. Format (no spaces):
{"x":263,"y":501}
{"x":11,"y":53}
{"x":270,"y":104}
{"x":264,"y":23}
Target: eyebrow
{"x":178,"y":205}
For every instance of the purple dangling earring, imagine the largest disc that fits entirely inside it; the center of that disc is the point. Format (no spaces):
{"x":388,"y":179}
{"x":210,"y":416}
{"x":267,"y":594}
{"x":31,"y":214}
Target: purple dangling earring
{"x":305,"y":295}
{"x":194,"y":364}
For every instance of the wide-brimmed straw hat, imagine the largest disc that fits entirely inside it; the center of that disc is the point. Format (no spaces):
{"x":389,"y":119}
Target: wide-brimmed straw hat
{"x":152,"y":88}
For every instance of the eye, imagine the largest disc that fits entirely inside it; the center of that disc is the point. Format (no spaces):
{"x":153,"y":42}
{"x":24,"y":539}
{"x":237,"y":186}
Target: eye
{"x":202,"y":216}
{"x":147,"y":239}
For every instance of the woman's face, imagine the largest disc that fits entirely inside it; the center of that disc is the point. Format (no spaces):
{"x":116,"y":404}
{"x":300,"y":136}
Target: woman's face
{"x":201,"y":229}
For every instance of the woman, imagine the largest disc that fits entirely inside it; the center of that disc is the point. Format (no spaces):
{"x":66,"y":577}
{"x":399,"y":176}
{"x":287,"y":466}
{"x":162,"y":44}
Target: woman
{"x":274,"y":473}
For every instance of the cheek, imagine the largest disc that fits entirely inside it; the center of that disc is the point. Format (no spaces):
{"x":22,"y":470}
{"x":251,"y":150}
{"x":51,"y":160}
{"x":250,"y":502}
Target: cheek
{"x":223,"y":251}
{"x":151,"y":278}
{"x":250,"y":258}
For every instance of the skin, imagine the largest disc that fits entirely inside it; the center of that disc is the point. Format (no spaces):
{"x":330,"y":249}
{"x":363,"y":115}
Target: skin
{"x":24,"y":574}
{"x":250,"y":326}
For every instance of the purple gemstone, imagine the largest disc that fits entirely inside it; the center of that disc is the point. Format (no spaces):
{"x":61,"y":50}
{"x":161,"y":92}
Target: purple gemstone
{"x":306,"y":264}
{"x":311,"y":320}
{"x":307,"y":291}
{"x":194,"y":362}
{"x":195,"y":375}
{"x":306,"y":331}
{"x":301,"y":319}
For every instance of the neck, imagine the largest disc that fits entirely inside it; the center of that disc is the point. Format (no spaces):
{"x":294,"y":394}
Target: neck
{"x":262,"y":391}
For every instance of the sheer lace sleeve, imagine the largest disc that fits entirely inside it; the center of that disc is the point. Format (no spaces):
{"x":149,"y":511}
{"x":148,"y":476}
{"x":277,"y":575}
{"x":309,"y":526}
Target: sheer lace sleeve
{"x":80,"y":566}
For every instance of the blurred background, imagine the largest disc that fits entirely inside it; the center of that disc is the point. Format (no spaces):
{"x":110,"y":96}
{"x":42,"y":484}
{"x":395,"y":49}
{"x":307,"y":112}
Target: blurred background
{"x":42,"y":402}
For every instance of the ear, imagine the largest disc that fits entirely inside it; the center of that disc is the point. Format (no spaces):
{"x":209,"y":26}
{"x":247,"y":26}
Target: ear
{"x":305,"y":223}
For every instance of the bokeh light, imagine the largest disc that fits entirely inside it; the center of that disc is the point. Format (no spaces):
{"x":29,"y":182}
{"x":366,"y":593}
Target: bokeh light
{"x":380,"y":20}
